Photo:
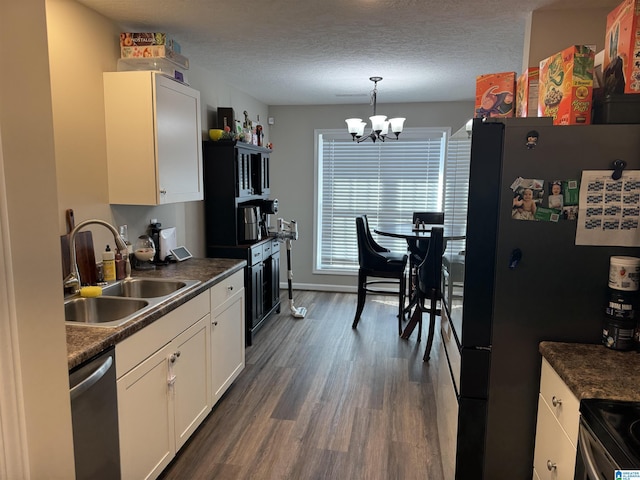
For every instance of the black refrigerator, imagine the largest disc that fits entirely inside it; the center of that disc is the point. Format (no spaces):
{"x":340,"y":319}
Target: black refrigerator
{"x":525,"y":279}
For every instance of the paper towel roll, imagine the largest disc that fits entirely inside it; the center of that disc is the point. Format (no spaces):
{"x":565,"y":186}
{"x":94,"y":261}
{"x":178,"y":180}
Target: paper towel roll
{"x":167,"y":241}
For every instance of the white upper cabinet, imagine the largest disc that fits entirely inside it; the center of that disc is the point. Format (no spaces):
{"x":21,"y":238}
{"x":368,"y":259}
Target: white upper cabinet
{"x":154,"y":139}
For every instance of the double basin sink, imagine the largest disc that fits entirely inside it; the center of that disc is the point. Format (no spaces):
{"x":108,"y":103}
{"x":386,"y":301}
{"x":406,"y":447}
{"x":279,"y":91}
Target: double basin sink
{"x":123,"y":301}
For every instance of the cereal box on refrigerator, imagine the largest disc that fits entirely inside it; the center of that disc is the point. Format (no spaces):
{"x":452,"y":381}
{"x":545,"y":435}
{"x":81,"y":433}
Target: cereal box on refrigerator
{"x":565,"y":87}
{"x":621,"y":66}
{"x":495,"y":94}
{"x":527,"y":93}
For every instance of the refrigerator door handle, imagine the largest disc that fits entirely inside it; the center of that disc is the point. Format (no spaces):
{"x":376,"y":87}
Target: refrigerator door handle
{"x":514,"y":258}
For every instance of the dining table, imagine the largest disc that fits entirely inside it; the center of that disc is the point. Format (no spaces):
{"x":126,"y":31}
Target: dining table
{"x":411,"y":232}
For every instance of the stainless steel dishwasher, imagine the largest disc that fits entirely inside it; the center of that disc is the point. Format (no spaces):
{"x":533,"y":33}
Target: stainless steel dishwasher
{"x":94,"y":414}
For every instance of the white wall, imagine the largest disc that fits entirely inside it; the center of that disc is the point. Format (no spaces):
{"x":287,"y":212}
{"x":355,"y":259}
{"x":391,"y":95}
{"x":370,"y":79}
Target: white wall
{"x":31,"y":245}
{"x":551,"y":31}
{"x":292,"y":166}
{"x":80,"y":143}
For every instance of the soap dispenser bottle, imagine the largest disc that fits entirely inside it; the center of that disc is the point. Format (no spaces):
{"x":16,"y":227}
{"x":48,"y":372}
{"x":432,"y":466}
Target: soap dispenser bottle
{"x":109,"y":265}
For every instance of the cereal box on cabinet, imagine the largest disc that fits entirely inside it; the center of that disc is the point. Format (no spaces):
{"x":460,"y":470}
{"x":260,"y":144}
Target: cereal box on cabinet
{"x":621,"y":66}
{"x":495,"y":94}
{"x":565,"y":87}
{"x":527,"y":93}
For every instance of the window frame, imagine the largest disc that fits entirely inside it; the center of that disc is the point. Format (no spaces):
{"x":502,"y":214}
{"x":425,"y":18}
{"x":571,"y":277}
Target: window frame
{"x":439,"y":135}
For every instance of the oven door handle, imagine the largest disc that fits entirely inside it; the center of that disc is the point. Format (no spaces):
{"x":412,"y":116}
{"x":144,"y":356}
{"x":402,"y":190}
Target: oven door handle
{"x":585,"y":453}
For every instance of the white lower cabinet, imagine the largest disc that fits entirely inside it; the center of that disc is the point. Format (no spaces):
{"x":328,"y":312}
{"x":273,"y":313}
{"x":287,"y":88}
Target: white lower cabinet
{"x":172,"y":372}
{"x":557,"y":428}
{"x":227,"y":333}
{"x":145,"y":418}
{"x":191,"y":391}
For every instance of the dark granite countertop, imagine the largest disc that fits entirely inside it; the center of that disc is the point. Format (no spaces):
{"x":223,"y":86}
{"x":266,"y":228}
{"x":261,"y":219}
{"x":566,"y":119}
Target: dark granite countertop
{"x":85,"y":341}
{"x":595,"y":371}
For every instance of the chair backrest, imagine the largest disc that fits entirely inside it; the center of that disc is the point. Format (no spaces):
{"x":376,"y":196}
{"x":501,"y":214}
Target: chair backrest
{"x":430,"y":218}
{"x":430,"y":270}
{"x":377,"y":247}
{"x":368,"y":256}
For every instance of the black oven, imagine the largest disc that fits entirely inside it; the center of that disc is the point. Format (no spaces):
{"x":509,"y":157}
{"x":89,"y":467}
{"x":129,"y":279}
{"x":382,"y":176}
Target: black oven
{"x":608,"y":440}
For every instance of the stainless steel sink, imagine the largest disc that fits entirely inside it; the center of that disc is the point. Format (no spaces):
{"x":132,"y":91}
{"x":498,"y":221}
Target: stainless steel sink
{"x":123,"y":301}
{"x":147,"y":287}
{"x":103,"y":311}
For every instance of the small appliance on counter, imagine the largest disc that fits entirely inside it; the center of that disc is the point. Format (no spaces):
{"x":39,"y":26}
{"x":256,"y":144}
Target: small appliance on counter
{"x":144,"y":251}
{"x":249,"y":224}
{"x":267,"y":207}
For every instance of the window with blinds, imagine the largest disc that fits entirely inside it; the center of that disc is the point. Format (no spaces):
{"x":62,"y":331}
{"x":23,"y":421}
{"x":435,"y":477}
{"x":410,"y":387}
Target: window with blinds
{"x":456,"y":187}
{"x":386,"y":181}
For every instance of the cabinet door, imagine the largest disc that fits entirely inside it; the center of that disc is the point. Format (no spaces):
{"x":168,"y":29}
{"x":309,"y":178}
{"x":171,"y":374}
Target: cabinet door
{"x":145,"y":418}
{"x":190,"y":361}
{"x":243,"y":173}
{"x":257,"y":293}
{"x":227,"y":343}
{"x":178,"y":136}
{"x":260,"y":173}
{"x":275,"y":278}
{"x":153,"y":139}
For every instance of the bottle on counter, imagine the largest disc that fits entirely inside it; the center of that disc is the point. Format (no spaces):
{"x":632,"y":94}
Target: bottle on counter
{"x":120,"y":266}
{"x":109,"y":265}
{"x":124,"y":233}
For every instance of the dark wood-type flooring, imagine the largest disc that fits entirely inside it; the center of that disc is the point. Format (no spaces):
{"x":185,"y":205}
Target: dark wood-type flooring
{"x":319,"y":400}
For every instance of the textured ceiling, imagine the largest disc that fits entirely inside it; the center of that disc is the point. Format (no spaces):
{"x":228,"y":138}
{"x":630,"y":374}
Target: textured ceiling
{"x":310,"y":52}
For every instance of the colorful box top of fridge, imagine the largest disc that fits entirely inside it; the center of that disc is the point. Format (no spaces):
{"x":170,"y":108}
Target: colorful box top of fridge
{"x":565,"y":87}
{"x":621,"y":66}
{"x":145,"y":39}
{"x":495,"y":94}
{"x":527,"y":93}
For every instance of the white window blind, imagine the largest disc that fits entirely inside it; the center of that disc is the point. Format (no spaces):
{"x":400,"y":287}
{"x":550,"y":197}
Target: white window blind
{"x":386,"y":181}
{"x":456,"y":187}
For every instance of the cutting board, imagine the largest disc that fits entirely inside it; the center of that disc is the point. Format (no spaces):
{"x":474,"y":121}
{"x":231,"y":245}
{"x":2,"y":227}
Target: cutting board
{"x":85,"y":254}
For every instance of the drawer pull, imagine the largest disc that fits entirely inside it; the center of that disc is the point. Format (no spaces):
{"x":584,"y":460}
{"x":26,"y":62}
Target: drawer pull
{"x":556,"y":402}
{"x":551,"y":465}
{"x":230,"y":287}
{"x":215,"y":324}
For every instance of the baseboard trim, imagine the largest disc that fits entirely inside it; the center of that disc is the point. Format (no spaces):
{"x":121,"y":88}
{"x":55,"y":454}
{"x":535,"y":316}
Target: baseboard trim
{"x":322,"y":287}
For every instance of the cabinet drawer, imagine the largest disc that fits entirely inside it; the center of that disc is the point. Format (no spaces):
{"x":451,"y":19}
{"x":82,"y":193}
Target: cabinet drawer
{"x":275,"y":246}
{"x":561,"y":401}
{"x":266,"y":249}
{"x":553,"y":447}
{"x":134,"y":349}
{"x":255,"y":254}
{"x":228,"y":287}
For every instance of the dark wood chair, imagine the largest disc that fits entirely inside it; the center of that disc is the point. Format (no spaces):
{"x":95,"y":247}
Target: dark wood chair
{"x":418,"y":248}
{"x":428,"y":292}
{"x":378,"y":262}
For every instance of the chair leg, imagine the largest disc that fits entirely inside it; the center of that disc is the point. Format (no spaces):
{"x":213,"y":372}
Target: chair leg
{"x":432,"y":327}
{"x":362,"y":294}
{"x":401,"y":300}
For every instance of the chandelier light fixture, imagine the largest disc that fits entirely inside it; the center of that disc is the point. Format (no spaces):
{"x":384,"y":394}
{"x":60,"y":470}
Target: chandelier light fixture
{"x":379,"y":124}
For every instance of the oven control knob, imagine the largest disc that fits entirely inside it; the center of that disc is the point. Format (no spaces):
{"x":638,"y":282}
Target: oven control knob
{"x":556,"y":401}
{"x":551,"y":465}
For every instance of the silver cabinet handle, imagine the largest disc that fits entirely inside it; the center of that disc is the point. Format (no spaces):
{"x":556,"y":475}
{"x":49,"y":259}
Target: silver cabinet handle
{"x":92,"y":379}
{"x":163,"y":191}
{"x":551,"y":465}
{"x":556,"y":401}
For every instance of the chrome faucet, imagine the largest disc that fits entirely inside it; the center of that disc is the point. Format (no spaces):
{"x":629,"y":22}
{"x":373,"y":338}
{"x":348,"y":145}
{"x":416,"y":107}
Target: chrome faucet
{"x":73,"y":279}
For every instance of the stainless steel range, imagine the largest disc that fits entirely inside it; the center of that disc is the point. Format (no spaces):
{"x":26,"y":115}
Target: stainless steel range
{"x":609,"y":440}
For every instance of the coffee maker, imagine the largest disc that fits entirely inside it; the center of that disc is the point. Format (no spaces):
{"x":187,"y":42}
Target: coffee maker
{"x":267,"y":207}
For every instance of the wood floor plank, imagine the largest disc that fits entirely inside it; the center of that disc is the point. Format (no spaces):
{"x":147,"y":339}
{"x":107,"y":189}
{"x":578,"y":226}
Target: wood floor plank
{"x":320,"y":400}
